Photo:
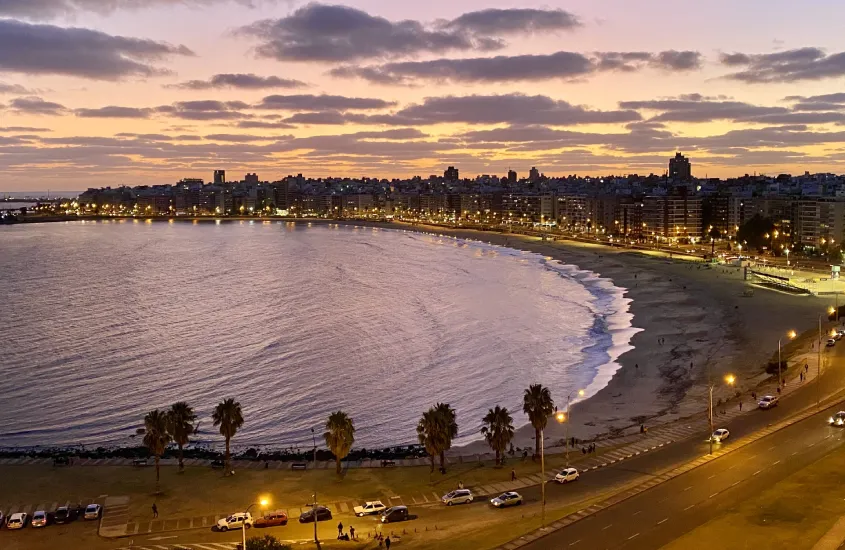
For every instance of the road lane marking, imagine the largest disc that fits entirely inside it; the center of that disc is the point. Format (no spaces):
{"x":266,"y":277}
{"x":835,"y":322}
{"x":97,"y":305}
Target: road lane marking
{"x":633,"y":536}
{"x":735,"y":483}
{"x":607,"y":527}
{"x":793,"y":454}
{"x":688,"y":507}
{"x":776,"y":462}
{"x":688,"y":488}
{"x":757,"y":472}
{"x":574,"y":543}
{"x":713,"y":495}
{"x":711,"y":477}
{"x":638,"y":512}
{"x":664,"y":520}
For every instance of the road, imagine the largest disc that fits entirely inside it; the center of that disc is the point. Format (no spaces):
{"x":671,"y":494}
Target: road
{"x":662,"y":514}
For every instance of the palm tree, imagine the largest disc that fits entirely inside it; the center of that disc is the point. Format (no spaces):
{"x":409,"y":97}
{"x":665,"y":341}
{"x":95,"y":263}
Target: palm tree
{"x":227,"y":414}
{"x":538,"y":405}
{"x":340,"y":434}
{"x":431,"y":434}
{"x":180,"y":425}
{"x":449,"y":419}
{"x":156,"y":438}
{"x":498,"y":430}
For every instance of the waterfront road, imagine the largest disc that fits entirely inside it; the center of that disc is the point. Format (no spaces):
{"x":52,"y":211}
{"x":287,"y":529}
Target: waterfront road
{"x":669,"y":510}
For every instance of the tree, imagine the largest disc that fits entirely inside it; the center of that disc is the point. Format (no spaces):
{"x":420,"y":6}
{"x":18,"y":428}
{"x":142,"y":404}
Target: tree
{"x":498,"y":430}
{"x":340,"y":434}
{"x":449,"y":418}
{"x":228,"y":416}
{"x":755,"y":232}
{"x":180,"y":420}
{"x":156,"y":438}
{"x":538,"y":405}
{"x":267,"y":542}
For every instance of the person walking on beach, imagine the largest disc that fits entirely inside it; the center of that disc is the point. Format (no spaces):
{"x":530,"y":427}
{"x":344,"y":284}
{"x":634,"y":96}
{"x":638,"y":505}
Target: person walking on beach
{"x":387,"y":543}
{"x":339,"y":528}
{"x":155,"y":510}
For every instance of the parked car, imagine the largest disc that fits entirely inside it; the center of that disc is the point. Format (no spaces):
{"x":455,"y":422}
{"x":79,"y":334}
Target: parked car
{"x":837,"y":419}
{"x":16,"y":521}
{"x":511,"y":498}
{"x":217,"y":464}
{"x":322,"y":513}
{"x":271,"y":519}
{"x":566,"y":475}
{"x":39,"y":519}
{"x":831,"y":342}
{"x":139,"y":462}
{"x":720,"y":435}
{"x":235,"y":521}
{"x":2,"y":519}
{"x":92,"y":511}
{"x":65,"y":514}
{"x":394,"y":513}
{"x":768,"y":402}
{"x":459,"y":496}
{"x":369,"y":508}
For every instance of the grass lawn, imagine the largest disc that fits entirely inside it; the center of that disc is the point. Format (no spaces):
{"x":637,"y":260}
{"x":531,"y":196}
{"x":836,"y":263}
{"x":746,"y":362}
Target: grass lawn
{"x":795,"y":513}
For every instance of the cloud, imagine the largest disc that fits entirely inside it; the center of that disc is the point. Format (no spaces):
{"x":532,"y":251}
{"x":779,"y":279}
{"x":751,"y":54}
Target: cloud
{"x":11,"y":129}
{"x":787,"y":66}
{"x":508,"y":108}
{"x":85,"y":53}
{"x":205,"y":110}
{"x":113,"y":111}
{"x":696,"y":108}
{"x":826,"y":102}
{"x":38,"y":9}
{"x":241,"y":81}
{"x":318,"y":117}
{"x":332,"y":33}
{"x":13,"y":88}
{"x":241,"y":138}
{"x":255,"y":124}
{"x":559,"y":65}
{"x":37,"y":106}
{"x":507,"y":21}
{"x":309,"y":102}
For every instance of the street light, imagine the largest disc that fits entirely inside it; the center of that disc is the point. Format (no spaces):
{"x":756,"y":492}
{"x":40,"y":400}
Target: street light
{"x":791,"y":334}
{"x":730,"y":379}
{"x":263,"y":503}
{"x":314,"y":509}
{"x":568,"y":419}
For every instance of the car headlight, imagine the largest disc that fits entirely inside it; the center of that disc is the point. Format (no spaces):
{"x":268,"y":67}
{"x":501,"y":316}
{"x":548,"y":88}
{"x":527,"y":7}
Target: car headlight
{"x":830,"y":420}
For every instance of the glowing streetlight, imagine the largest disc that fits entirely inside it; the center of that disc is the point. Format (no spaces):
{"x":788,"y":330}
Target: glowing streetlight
{"x":263,"y":503}
{"x":729,"y":379}
{"x":791,"y":334}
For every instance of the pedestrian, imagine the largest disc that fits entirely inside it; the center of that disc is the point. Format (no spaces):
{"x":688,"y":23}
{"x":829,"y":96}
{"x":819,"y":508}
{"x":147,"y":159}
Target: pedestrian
{"x":460,"y":485}
{"x":513,"y":474}
{"x":740,"y":406}
{"x":636,"y":365}
{"x":340,"y":528}
{"x":351,"y":532}
{"x":806,"y":367}
{"x":783,"y":382}
{"x":155,"y":510}
{"x":387,"y":542}
{"x":778,"y":390}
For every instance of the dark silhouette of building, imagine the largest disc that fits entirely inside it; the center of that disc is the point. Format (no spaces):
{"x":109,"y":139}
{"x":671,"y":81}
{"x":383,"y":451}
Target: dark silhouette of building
{"x":680,"y":168}
{"x":219,"y":177}
{"x":251,"y":178}
{"x":512,"y":176}
{"x":534,"y":174}
{"x":451,"y":174}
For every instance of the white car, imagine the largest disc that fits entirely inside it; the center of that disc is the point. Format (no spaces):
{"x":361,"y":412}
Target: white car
{"x":39,"y":519}
{"x":768,"y":402}
{"x":831,"y":342}
{"x":369,"y":508}
{"x":720,"y":435}
{"x":458,"y":496}
{"x":92,"y":511}
{"x":566,"y":475}
{"x":235,"y":521}
{"x":16,"y":521}
{"x":837,"y":419}
{"x":511,"y":498}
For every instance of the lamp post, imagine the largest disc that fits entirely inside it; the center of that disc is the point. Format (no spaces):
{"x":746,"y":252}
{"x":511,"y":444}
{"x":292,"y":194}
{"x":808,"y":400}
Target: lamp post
{"x":568,"y":419}
{"x":791,"y":334}
{"x":263,"y":503}
{"x":314,"y":508}
{"x":729,"y":379}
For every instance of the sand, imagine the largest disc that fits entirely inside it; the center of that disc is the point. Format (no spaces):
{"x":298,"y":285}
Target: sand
{"x":706,"y":324}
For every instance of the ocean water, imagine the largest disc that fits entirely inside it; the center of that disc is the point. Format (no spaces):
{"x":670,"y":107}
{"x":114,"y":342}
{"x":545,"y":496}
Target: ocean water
{"x":104,"y":321}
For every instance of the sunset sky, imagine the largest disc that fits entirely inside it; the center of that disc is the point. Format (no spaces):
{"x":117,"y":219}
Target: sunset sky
{"x":111,"y":92}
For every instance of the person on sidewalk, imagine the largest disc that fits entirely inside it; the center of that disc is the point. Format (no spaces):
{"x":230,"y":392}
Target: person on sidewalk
{"x":339,"y":528}
{"x":513,"y":475}
{"x":387,"y":543}
{"x":351,"y":532}
{"x":155,"y":510}
{"x":740,"y":406}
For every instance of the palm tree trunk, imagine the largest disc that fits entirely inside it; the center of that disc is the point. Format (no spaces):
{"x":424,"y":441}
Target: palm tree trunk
{"x":227,"y":457}
{"x":442,"y":460}
{"x":431,"y":458}
{"x":337,"y":464}
{"x":497,"y":457}
{"x":536,"y":443}
{"x":181,"y":458}
{"x":158,"y":476}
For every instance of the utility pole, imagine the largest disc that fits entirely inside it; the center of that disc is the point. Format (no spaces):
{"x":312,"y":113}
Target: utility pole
{"x":314,"y":509}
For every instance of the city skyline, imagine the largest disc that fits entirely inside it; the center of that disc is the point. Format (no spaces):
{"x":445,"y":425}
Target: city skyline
{"x":93,"y":96}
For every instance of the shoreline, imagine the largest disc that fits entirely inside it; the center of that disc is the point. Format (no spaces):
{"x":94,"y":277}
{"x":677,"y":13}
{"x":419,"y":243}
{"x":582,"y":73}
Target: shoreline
{"x":699,"y":311}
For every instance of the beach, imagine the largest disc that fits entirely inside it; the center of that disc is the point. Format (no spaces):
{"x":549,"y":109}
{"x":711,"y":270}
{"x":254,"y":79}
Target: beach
{"x":699,"y":313}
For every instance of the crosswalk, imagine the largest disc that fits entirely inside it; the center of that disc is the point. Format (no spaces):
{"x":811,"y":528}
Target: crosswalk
{"x":194,"y":546}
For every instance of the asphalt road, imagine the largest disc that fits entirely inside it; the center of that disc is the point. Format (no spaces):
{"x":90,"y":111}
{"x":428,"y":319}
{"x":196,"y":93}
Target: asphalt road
{"x":669,"y":510}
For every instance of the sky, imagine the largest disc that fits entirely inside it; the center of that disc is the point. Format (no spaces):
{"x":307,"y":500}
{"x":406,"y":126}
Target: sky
{"x":131,"y":92}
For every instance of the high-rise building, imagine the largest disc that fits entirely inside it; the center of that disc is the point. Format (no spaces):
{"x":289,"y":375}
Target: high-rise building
{"x":534,"y":174}
{"x":251,"y":178}
{"x":511,"y":176}
{"x":219,"y":177}
{"x":451,"y":174}
{"x":680,"y":168}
